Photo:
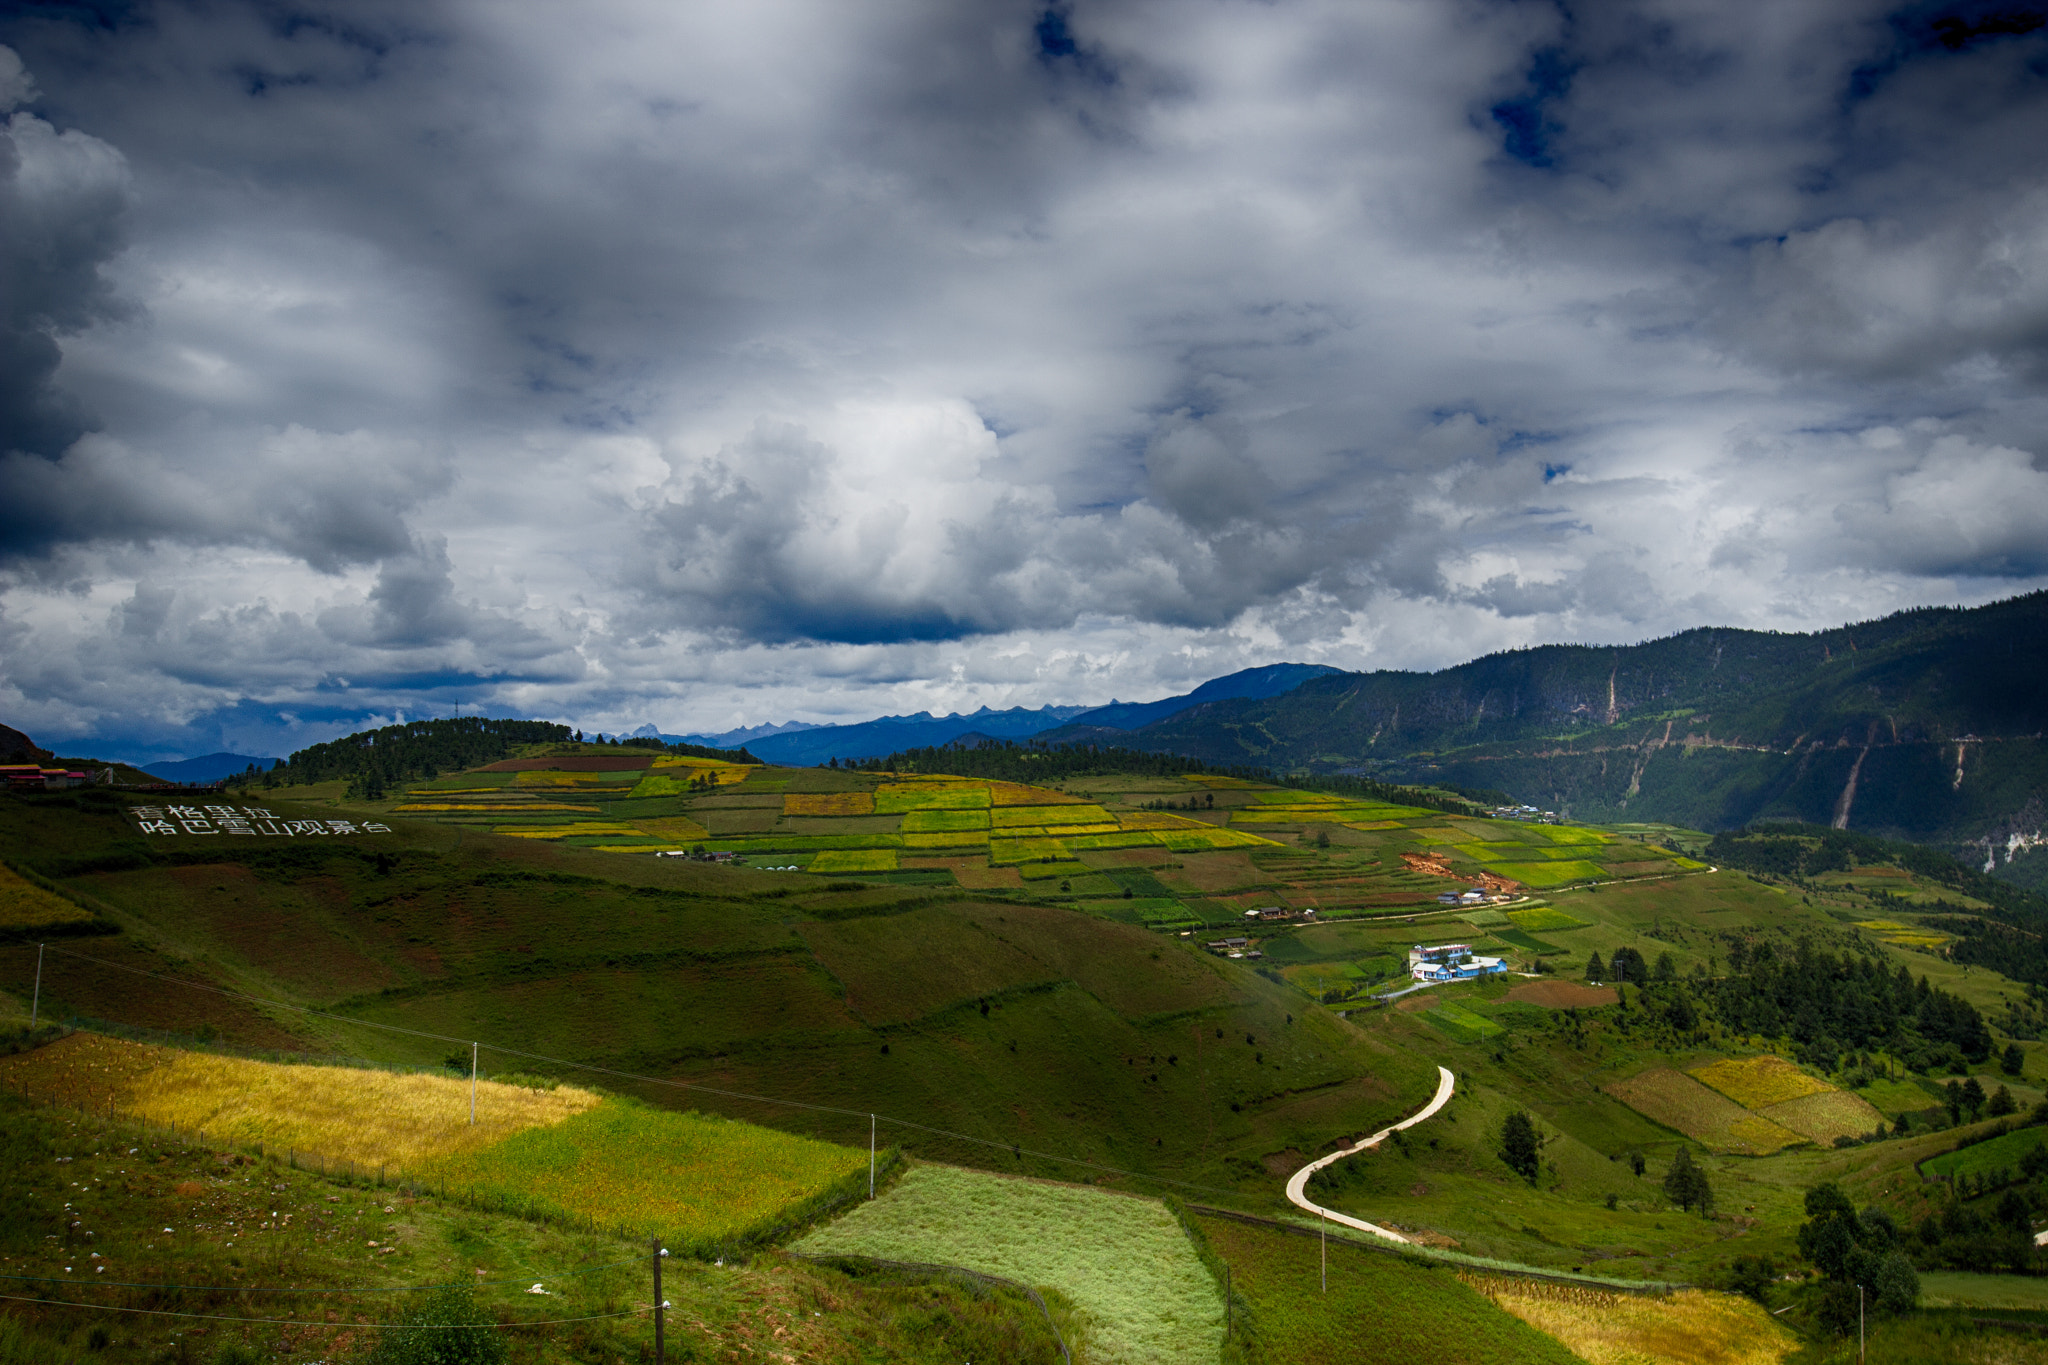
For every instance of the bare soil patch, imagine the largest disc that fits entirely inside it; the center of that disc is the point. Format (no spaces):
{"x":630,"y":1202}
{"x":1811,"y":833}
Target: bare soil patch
{"x":1562,"y":995}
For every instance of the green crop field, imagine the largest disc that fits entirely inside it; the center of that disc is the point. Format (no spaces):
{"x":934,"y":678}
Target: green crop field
{"x":1555,"y":873}
{"x":700,"y":1182}
{"x":1543,"y":918}
{"x":1377,"y":1307}
{"x":933,"y":821}
{"x":1462,"y":1024}
{"x":2000,"y":1153}
{"x":1142,"y":1292}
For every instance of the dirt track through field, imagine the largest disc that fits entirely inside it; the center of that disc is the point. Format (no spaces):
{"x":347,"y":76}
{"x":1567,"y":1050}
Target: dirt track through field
{"x":1297,"y":1185}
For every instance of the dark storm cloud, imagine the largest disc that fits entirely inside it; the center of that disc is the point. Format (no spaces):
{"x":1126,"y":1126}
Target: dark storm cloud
{"x":63,"y":198}
{"x":617,"y":359}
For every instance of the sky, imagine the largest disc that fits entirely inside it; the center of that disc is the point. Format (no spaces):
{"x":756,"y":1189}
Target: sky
{"x":707,"y":365}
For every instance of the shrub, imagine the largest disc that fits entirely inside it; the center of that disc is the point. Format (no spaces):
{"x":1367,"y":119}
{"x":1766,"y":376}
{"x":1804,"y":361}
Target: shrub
{"x":445,"y":1327}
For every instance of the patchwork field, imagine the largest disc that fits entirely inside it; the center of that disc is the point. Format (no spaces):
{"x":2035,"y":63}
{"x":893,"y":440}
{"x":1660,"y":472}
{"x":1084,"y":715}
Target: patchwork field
{"x":1999,"y":1154}
{"x":1677,"y":1101}
{"x":1141,"y":1290}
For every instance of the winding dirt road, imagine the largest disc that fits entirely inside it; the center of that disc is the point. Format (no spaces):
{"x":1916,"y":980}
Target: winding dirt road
{"x":1297,"y":1184}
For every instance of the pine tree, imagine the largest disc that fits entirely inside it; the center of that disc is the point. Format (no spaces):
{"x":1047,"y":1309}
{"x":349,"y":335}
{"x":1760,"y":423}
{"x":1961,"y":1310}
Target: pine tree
{"x":1519,"y":1145}
{"x":1596,"y":970}
{"x":2013,"y":1061}
{"x":1685,"y":1184}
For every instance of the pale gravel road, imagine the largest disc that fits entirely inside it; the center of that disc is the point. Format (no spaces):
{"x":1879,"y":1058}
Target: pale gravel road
{"x":1297,"y":1184}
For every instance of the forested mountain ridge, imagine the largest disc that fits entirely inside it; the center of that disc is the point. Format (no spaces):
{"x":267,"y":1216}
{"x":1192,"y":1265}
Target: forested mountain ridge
{"x":1927,"y":724}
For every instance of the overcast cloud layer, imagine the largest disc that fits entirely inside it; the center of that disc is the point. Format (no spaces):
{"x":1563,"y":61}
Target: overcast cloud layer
{"x":717,"y":364}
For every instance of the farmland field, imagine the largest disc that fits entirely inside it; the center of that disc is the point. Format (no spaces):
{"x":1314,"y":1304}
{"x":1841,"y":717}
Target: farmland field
{"x":24,"y":905}
{"x":1562,"y":995}
{"x":929,"y":821}
{"x":1754,"y":1082}
{"x":1547,"y":873}
{"x":1538,"y":919}
{"x":697,"y":1181}
{"x":1143,"y":1293}
{"x":1690,"y":1327}
{"x":1378,"y":1307}
{"x":1676,"y":1100}
{"x":1984,"y":1157}
{"x":368,"y":1117}
{"x":1825,"y":1116}
{"x":1463,"y":1024}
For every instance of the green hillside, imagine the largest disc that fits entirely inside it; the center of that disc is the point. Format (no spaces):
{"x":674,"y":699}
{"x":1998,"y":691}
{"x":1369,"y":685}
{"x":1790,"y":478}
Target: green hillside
{"x":1167,"y":981}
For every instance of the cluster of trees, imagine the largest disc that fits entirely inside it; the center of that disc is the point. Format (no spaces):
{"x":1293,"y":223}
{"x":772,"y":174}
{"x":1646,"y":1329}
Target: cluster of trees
{"x":374,"y":760}
{"x":1856,"y":1249}
{"x":1829,"y":1003}
{"x":1009,"y":761}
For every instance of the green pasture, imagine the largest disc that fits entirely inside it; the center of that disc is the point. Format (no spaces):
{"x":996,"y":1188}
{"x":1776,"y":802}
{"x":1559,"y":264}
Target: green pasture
{"x":1141,"y":1291}
{"x":1377,"y":1306}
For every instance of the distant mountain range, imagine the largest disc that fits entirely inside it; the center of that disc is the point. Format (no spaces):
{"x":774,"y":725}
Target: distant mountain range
{"x":206,"y":768}
{"x":803,"y":745}
{"x":1926,"y":725}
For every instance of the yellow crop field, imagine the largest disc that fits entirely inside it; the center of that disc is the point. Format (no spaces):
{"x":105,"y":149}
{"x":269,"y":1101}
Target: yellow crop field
{"x":1754,"y":1082}
{"x":1189,"y":840}
{"x":855,"y":860}
{"x":1005,"y":852}
{"x":1690,"y":1327}
{"x":672,"y":827}
{"x":497,"y":807}
{"x":24,"y":905}
{"x":1080,"y":813}
{"x":573,"y":830}
{"x":966,"y":838}
{"x":543,"y":780}
{"x":693,"y":1179}
{"x":1826,"y":1116}
{"x":829,"y":803}
{"x":369,"y":1117}
{"x":894,"y":798}
{"x":709,"y":766}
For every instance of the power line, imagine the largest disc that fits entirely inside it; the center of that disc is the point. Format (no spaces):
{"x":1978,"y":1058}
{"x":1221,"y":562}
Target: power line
{"x":1013,"y":1148}
{"x":303,"y":1322}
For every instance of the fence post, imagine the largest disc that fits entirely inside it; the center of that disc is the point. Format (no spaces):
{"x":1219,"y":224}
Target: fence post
{"x":472,"y":1083}
{"x":35,"y":1008}
{"x":871,"y":1156}
{"x":658,"y":1304}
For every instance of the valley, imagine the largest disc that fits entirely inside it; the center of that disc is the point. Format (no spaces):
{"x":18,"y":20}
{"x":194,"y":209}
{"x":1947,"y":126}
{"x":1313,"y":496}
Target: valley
{"x":1136,"y":986}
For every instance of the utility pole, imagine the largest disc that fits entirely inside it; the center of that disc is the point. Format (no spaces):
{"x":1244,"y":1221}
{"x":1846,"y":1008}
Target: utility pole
{"x":871,"y":1156}
{"x":1226,"y":1300}
{"x":1326,"y":1247}
{"x":659,"y":1302}
{"x":1859,"y":1325}
{"x":472,"y":1083}
{"x":36,"y":1006}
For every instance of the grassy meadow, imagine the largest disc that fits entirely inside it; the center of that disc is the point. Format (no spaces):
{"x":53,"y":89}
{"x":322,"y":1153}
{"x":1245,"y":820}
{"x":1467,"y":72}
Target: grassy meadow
{"x":1142,"y":1294}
